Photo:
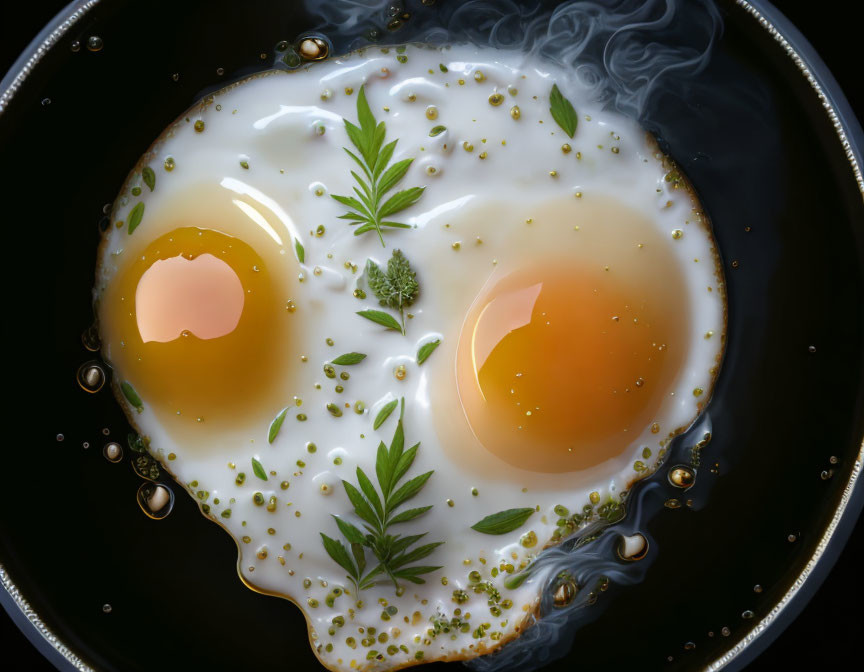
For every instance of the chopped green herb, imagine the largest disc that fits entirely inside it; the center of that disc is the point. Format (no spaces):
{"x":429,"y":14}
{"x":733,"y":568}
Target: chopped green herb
{"x":562,"y":111}
{"x":276,"y":425}
{"x":382,"y":318}
{"x":349,"y":359}
{"x":131,"y":395}
{"x":149,"y":177}
{"x":258,"y":470}
{"x":135,"y":216}
{"x":299,"y":249}
{"x":378,"y":511}
{"x":437,"y":130}
{"x":427,"y":349}
{"x":384,"y":413}
{"x":396,"y":288}
{"x":503,"y":521}
{"x":369,"y":209}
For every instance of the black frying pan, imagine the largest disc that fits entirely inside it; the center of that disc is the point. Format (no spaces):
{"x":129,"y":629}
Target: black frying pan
{"x":72,"y":539}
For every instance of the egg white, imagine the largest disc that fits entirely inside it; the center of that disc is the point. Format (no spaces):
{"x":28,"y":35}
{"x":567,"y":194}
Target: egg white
{"x":273,"y":123}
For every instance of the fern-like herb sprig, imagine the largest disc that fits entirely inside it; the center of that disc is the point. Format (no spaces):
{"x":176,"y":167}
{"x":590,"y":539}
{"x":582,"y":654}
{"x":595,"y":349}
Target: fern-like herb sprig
{"x":369,"y":209}
{"x":377,"y":508}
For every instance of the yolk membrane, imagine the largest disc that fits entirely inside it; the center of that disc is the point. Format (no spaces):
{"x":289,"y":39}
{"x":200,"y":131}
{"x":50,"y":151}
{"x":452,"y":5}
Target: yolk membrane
{"x":560,"y":368}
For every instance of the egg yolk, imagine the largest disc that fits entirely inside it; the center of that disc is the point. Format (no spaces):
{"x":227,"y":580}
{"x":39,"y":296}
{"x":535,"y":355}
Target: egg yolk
{"x":193,"y":326}
{"x":560,"y":368}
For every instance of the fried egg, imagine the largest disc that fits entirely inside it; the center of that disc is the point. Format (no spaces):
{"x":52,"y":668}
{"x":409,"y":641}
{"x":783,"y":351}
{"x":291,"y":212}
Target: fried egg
{"x":569,"y":321}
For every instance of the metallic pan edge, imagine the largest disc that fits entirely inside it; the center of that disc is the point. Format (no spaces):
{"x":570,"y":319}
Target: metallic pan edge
{"x":61,"y":25}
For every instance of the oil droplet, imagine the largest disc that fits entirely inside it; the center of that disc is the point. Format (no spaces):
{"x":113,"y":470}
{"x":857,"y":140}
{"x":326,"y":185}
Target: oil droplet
{"x":106,"y":608}
{"x":75,"y":46}
{"x":564,"y":592}
{"x":91,"y":377}
{"x":757,"y":588}
{"x":747,"y":615}
{"x":113,"y":452}
{"x":60,"y":437}
{"x":681,"y":477}
{"x":314,"y":49}
{"x":155,"y":500}
{"x":90,"y":339}
{"x":95,"y":43}
{"x":46,"y":102}
{"x":632,"y":548}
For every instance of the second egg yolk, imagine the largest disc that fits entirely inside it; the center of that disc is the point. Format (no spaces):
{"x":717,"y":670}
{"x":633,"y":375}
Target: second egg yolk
{"x":558,"y":368}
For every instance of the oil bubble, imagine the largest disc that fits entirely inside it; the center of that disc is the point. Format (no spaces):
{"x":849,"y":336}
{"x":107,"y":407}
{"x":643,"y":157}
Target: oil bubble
{"x":90,"y":376}
{"x":90,"y":339}
{"x":113,"y":452}
{"x":95,"y":43}
{"x":681,"y":477}
{"x":313,"y":48}
{"x":633,"y":547}
{"x":156,"y":500}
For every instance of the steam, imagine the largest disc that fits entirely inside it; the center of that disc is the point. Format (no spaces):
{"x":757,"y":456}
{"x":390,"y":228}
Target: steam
{"x":625,"y":51}
{"x":628,"y":54}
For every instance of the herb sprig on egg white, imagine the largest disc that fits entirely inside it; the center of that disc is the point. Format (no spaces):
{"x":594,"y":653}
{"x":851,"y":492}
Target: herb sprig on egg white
{"x":370,"y":209}
{"x":393,"y":552}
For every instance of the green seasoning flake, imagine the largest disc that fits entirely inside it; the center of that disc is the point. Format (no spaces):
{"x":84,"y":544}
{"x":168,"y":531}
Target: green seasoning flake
{"x":426,"y":350}
{"x":443,"y":67}
{"x":149,"y":177}
{"x":349,"y":359}
{"x":396,"y":288}
{"x":131,"y":395}
{"x":135,"y":216}
{"x":335,"y":411}
{"x":258,"y":470}
{"x":276,"y":425}
{"x":562,"y":111}
{"x":382,"y":318}
{"x":503,"y":521}
{"x":301,"y":252}
{"x":437,"y":130}
{"x":384,"y":413}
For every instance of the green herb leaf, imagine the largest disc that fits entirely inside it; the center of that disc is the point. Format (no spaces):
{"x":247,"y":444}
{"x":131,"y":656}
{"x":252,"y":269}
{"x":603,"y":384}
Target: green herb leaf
{"x":134,"y":218}
{"x":149,"y":177}
{"x":409,"y":514}
{"x":382,"y":318}
{"x":503,"y":521}
{"x":437,"y":130}
{"x":384,"y":413}
{"x":276,"y":425}
{"x":408,"y":490}
{"x":258,"y":470}
{"x":351,"y":533}
{"x":393,"y":552}
{"x":562,"y":111}
{"x":368,"y":139}
{"x":349,"y":359}
{"x":336,"y":550}
{"x":300,"y":250}
{"x":427,"y":349}
{"x":131,"y":395}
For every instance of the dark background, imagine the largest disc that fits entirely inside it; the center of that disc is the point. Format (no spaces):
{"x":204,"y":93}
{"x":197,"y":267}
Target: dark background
{"x":825,"y":626}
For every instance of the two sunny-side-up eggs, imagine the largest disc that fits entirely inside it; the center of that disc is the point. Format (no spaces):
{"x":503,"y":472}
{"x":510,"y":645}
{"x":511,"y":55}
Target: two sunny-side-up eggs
{"x":570,"y":282}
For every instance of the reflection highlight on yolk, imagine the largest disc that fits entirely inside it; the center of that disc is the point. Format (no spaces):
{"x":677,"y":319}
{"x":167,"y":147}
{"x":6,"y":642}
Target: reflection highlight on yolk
{"x":201,"y":295}
{"x":197,"y":320}
{"x":558,"y":368}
